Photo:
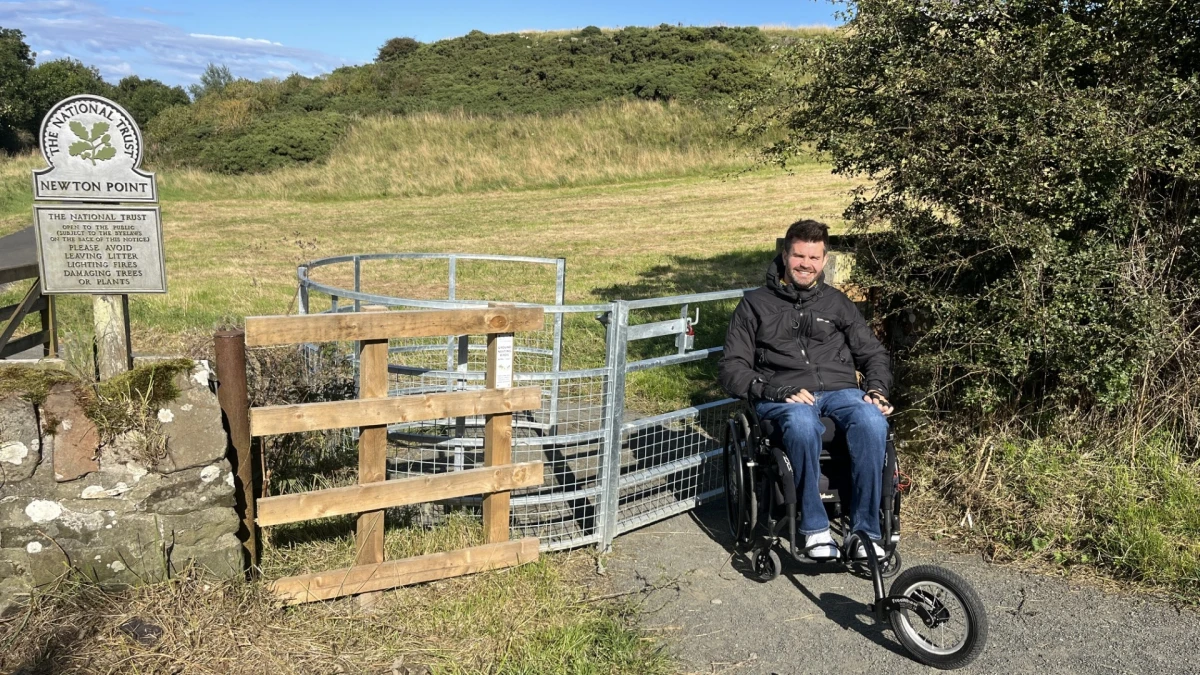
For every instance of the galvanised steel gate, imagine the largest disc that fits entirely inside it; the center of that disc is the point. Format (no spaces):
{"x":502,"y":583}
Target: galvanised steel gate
{"x":613,"y":461}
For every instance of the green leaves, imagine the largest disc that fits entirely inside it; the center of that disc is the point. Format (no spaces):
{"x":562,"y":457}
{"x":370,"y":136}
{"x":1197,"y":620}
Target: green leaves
{"x":1035,"y":192}
{"x":95,"y":145}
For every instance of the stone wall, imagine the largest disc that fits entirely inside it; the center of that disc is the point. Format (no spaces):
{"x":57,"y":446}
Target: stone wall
{"x":113,"y":512}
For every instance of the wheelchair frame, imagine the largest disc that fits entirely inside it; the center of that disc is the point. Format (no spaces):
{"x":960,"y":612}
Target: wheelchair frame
{"x":759,"y":476}
{"x":767,"y":492}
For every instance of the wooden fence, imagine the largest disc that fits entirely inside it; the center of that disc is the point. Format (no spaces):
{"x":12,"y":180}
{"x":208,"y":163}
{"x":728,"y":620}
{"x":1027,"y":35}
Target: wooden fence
{"x":371,"y":413}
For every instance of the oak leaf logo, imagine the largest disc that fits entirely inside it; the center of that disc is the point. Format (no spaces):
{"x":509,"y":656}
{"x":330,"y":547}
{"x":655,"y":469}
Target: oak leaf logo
{"x":94,"y":145}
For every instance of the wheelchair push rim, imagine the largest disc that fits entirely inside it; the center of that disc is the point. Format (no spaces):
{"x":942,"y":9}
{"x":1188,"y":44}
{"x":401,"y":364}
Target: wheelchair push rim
{"x":737,"y":489}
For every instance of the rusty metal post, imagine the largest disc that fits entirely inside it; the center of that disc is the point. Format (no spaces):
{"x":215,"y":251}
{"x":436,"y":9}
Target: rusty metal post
{"x":235,"y":405}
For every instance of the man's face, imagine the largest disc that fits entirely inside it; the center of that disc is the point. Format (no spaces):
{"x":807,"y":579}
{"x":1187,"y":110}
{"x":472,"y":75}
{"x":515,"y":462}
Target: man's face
{"x":804,"y":262}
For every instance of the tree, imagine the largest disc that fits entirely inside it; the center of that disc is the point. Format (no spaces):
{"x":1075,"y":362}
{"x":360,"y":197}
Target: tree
{"x":145,"y":98}
{"x":397,"y":49}
{"x":52,"y":81}
{"x":1036,"y":188}
{"x":15,"y":63}
{"x":213,"y":80}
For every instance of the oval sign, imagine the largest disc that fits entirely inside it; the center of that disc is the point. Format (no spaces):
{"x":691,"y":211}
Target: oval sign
{"x":94,"y":149}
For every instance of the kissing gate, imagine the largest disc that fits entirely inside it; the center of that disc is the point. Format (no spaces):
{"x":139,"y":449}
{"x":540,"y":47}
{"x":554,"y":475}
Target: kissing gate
{"x":593,"y":455}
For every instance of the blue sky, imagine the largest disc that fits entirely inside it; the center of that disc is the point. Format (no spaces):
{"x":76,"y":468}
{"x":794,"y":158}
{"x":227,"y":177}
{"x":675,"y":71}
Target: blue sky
{"x":173,"y":41}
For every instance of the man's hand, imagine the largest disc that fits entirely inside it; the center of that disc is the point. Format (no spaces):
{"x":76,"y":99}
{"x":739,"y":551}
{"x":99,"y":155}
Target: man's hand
{"x":802,"y":396}
{"x":788,"y":394}
{"x":879,"y":401}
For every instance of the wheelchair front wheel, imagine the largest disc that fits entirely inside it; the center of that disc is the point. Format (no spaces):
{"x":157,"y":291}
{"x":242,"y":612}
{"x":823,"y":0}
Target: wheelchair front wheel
{"x":767,"y":564}
{"x":938,"y":617}
{"x":890,"y":565}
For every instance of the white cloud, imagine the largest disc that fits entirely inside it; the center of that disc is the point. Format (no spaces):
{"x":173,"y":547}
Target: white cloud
{"x":120,"y":45}
{"x":251,"y":41}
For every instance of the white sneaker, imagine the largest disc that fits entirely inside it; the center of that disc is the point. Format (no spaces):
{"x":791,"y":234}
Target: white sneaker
{"x":860,"y":553}
{"x":820,"y":546}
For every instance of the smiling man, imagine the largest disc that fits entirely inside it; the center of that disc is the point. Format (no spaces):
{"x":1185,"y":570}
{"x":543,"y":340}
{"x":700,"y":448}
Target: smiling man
{"x":794,"y":350}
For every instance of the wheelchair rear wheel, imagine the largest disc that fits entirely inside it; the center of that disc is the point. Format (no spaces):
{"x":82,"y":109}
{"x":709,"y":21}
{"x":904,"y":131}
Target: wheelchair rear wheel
{"x":942,"y":622}
{"x":739,"y":485}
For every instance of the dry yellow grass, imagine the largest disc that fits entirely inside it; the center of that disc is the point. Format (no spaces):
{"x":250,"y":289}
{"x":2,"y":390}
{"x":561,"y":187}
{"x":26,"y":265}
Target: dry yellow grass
{"x":436,"y":153}
{"x":234,"y":257}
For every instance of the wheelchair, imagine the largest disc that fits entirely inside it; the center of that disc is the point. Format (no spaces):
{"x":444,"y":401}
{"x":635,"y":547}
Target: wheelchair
{"x":934,"y":612}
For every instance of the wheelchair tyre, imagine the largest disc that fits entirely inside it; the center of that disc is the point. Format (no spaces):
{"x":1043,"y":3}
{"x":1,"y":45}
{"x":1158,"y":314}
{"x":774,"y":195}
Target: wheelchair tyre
{"x":766,"y":562}
{"x":953,"y":631}
{"x":739,"y":487}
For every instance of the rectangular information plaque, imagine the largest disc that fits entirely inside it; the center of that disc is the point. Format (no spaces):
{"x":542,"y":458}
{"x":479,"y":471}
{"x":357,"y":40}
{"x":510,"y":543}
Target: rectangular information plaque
{"x":100,"y":249}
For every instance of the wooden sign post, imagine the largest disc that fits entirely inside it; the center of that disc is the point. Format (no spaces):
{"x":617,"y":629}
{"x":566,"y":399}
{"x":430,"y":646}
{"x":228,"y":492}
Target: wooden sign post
{"x":96,"y":218}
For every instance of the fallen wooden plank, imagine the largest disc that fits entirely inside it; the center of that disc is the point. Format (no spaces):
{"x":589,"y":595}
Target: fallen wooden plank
{"x":397,"y":492}
{"x":382,"y":576}
{"x":286,"y":419}
{"x":286,"y":330}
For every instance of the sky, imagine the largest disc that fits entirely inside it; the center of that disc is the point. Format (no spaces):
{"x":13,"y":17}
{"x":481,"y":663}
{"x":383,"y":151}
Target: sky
{"x":174,"y":41}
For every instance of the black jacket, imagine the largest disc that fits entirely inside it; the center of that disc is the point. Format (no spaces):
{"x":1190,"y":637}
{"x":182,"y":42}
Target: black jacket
{"x":812,"y":338}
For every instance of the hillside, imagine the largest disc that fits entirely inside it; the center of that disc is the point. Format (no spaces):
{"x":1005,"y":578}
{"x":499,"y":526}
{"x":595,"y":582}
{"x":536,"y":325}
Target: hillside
{"x":249,"y":127}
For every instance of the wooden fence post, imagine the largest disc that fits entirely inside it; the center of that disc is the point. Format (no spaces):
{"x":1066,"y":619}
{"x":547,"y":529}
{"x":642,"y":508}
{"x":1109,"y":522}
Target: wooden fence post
{"x":234,"y":396}
{"x":497,"y":436}
{"x":372,"y":451}
{"x":110,"y":315}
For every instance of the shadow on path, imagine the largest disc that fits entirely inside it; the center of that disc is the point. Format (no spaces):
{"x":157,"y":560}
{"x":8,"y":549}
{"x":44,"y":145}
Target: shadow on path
{"x":846,"y":612}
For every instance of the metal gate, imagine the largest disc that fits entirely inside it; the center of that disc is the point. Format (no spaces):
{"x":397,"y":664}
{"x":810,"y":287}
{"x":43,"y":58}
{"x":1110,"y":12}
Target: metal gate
{"x":610,"y":465}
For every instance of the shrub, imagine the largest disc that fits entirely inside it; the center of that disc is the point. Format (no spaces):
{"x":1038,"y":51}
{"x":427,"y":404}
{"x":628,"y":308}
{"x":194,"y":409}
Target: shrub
{"x":396,"y":49}
{"x":274,"y":141}
{"x":1036,"y":168}
{"x":145,"y":98}
{"x":1035,"y":202}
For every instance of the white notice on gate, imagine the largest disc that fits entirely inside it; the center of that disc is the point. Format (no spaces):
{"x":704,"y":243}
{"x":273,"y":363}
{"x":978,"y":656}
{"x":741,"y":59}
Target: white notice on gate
{"x":504,"y":361}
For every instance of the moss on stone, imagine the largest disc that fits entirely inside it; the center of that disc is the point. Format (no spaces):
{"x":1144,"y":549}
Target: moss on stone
{"x":31,"y":384}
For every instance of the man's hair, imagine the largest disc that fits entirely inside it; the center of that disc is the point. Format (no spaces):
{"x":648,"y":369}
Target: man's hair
{"x":806,"y":230}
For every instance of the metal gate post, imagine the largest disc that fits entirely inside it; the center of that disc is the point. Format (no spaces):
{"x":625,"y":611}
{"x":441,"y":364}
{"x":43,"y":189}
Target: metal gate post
{"x":614,"y":403}
{"x":560,"y":296}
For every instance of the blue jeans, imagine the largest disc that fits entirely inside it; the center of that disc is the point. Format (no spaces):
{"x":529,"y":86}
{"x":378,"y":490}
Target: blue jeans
{"x":866,"y":434}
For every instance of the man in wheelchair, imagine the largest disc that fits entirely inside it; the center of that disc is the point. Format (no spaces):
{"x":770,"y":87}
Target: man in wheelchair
{"x":794,"y":350}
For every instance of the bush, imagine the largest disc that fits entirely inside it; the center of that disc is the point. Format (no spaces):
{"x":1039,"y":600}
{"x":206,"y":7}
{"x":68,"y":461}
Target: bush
{"x":145,"y":98}
{"x":275,"y":141}
{"x":396,"y":49}
{"x":210,"y":140}
{"x":1037,"y":212}
{"x":1036,"y":169}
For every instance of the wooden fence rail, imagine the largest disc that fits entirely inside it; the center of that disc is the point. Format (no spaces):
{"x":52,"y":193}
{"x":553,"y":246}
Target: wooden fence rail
{"x":371,"y":413}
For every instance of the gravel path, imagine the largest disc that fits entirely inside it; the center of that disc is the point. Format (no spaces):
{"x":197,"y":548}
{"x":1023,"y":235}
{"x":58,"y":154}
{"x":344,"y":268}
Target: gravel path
{"x":814,"y":619}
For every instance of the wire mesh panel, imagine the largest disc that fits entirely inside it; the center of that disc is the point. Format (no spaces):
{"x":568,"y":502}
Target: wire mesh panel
{"x":670,"y":463}
{"x":569,"y":443}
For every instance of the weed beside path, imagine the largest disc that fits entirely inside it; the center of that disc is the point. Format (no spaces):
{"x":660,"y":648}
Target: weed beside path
{"x":538,"y":618}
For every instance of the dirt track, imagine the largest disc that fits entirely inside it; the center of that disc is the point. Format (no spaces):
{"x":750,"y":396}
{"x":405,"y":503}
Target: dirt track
{"x":813,"y":619}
